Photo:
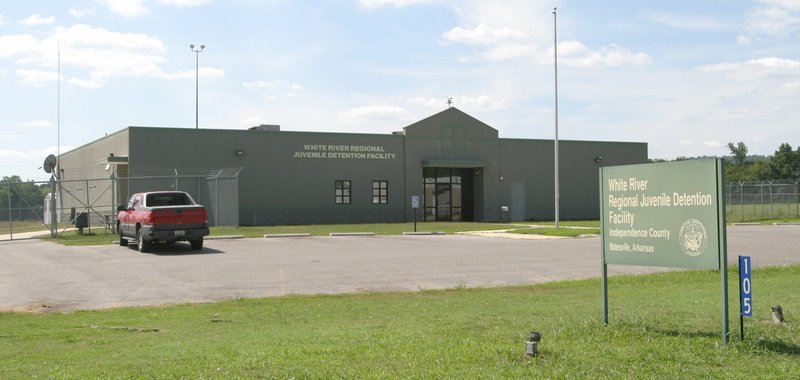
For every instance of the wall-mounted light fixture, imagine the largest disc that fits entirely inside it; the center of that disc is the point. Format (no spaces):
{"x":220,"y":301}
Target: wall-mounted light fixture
{"x":598,"y":159}
{"x":239,"y":152}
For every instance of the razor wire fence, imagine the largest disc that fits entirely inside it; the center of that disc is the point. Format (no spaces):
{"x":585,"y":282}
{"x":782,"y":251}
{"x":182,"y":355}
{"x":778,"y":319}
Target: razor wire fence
{"x":771,"y":199}
{"x":32,"y":208}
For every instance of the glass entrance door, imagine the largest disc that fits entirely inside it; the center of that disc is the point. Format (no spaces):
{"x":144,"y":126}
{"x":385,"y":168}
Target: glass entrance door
{"x":447,"y":194}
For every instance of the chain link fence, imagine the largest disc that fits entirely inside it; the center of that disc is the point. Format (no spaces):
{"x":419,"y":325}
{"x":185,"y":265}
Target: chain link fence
{"x":91,"y":204}
{"x":762,"y":200}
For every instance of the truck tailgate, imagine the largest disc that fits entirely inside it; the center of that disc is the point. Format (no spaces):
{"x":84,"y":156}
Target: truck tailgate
{"x":183,"y":216}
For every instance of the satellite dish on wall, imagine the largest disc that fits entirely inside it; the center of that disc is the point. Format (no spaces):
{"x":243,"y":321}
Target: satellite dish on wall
{"x":49,"y":163}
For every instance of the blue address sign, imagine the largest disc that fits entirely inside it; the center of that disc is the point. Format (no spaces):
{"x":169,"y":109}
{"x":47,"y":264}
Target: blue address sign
{"x":745,"y":286}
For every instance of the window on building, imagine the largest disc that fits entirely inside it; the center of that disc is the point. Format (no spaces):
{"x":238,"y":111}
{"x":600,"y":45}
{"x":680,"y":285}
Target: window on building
{"x":342,"y":192}
{"x":380,"y":192}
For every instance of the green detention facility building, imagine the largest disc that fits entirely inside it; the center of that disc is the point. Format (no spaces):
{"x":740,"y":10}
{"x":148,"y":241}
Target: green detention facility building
{"x":457,"y":166}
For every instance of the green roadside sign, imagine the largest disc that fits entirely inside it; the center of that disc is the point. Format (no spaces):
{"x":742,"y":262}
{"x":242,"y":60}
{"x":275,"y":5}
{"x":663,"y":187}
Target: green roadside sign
{"x":668,"y":214}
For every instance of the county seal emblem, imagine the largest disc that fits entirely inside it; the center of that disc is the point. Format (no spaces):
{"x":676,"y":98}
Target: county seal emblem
{"x":693,"y":237}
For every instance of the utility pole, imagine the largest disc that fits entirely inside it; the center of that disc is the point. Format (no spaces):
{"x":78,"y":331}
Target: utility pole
{"x":197,"y":84}
{"x":555,"y":145}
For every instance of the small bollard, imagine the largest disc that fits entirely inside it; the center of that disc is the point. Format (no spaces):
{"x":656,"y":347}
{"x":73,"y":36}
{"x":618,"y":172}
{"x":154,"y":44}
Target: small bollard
{"x":533,"y":341}
{"x":777,"y":314}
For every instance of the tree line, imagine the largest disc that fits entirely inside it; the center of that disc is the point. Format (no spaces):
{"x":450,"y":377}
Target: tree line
{"x":17,"y":195}
{"x":783,"y":164}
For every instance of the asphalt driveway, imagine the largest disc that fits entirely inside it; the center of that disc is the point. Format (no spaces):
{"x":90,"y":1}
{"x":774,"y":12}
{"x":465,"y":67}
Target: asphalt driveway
{"x":36,"y":275}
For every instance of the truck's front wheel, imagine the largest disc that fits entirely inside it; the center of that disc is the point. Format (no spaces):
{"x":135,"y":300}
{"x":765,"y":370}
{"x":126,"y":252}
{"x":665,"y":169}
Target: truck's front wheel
{"x":122,"y":241}
{"x":144,"y":245}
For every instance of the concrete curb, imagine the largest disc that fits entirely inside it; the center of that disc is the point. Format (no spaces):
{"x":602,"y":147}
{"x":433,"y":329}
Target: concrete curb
{"x":286,"y":235}
{"x":786,"y":224}
{"x":746,"y":224}
{"x":423,"y":233}
{"x":352,"y":234}
{"x":223,"y":237}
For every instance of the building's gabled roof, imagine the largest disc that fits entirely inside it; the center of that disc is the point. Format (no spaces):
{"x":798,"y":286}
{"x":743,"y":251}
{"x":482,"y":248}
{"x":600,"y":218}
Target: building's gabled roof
{"x":453,"y":114}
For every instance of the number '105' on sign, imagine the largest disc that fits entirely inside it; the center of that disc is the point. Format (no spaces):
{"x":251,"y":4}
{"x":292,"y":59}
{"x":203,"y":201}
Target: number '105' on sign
{"x":745,"y":286}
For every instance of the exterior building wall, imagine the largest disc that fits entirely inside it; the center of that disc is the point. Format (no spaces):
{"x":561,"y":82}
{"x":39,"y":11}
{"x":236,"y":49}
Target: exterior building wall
{"x":290,"y":177}
{"x":85,"y":180}
{"x":454,"y":139}
{"x":531,"y":163}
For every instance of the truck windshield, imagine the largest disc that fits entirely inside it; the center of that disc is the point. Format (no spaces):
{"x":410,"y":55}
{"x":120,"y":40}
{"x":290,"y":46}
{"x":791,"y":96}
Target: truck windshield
{"x":168,"y":199}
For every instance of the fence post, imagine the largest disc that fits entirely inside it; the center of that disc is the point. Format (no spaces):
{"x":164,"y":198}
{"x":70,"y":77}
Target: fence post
{"x":53,"y":206}
{"x":771,"y":214}
{"x":741,"y":200}
{"x":113,"y":201}
{"x":10,"y":215}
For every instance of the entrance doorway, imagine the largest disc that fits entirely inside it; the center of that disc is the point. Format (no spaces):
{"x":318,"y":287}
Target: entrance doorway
{"x":448,"y":194}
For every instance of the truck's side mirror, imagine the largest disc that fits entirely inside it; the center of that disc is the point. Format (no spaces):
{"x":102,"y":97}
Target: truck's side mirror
{"x":122,"y":208}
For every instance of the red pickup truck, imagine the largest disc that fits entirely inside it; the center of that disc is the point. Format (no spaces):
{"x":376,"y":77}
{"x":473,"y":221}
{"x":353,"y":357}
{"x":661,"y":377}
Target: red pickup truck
{"x":167,"y":216}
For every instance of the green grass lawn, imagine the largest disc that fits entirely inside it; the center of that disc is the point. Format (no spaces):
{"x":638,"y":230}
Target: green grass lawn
{"x":661,"y":326}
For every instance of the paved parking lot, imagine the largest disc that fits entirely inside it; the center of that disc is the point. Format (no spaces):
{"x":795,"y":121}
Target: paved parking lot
{"x":37,"y":275}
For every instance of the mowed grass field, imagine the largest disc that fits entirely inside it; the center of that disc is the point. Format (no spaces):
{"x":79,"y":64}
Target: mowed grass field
{"x":758,"y":212}
{"x":661,"y":326}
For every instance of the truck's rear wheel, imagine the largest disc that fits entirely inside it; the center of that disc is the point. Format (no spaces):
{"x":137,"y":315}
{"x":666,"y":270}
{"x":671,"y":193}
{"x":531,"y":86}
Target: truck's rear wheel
{"x":197,"y":244}
{"x":144,"y":245}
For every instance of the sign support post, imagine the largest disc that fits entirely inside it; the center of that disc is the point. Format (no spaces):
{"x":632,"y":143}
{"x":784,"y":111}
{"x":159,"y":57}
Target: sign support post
{"x":603,"y":265}
{"x":723,"y":249}
{"x":415,"y":206}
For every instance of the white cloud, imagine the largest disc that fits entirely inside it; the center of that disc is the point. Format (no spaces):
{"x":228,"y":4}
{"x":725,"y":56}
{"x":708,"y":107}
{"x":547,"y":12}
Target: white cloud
{"x":184,"y":3}
{"x":377,"y":116}
{"x":37,"y":19}
{"x":76,"y":12}
{"x":252,"y":121}
{"x":204,"y":73}
{"x":12,"y":45}
{"x":774,"y":21}
{"x":687,"y":21}
{"x":482,"y":34}
{"x":518,"y":29}
{"x":791,"y":4}
{"x":776,"y":18}
{"x":391,"y":3}
{"x":99,"y":53}
{"x":756,"y":69}
{"x":275,"y":88}
{"x":37,"y":78}
{"x":85,"y":83}
{"x":126,"y":8}
{"x":574,"y":53}
{"x":35,"y":124}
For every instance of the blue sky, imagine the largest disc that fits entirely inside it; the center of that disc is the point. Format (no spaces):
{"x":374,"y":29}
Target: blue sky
{"x":687,"y":77}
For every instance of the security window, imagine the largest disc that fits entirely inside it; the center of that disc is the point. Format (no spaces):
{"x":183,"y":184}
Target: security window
{"x":342,"y":192}
{"x":380,"y":192}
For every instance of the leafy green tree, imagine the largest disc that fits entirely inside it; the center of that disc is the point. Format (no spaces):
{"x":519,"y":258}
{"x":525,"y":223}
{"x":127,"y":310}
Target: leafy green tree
{"x":24,"y":197}
{"x":739,"y":152}
{"x":752,"y":171}
{"x":785,"y":163}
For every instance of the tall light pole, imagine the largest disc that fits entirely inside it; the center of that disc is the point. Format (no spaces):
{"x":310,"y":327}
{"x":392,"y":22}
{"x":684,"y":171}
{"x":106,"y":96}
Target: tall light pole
{"x":197,"y":85}
{"x":555,"y":145}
